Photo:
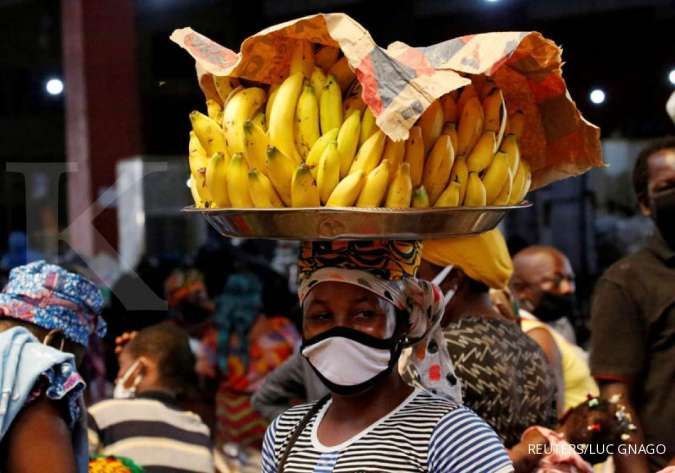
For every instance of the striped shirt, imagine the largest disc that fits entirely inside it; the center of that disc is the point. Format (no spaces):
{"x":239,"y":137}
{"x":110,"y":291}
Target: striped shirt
{"x":423,"y":434}
{"x":152,"y":431}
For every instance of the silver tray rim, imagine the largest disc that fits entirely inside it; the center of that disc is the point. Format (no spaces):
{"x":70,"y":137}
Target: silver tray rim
{"x":357,"y":210}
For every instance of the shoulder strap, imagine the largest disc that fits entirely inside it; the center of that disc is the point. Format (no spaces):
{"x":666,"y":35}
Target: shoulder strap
{"x":298,"y":430}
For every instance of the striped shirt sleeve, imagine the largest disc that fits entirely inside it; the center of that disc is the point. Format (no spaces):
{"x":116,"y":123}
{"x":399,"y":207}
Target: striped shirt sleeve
{"x":463,"y":443}
{"x":269,"y":461}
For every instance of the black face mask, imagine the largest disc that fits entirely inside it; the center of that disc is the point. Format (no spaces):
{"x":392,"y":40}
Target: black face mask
{"x":391,"y":345}
{"x":663,"y":213}
{"x":553,"y":306}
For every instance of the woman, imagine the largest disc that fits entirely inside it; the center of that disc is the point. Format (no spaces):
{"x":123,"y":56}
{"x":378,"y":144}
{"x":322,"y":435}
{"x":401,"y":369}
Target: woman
{"x":40,"y":388}
{"x":361,"y":306}
{"x":504,"y":375}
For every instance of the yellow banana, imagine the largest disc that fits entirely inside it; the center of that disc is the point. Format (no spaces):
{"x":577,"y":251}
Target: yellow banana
{"x":395,"y":153}
{"x":475,"y":191}
{"x":199,"y":181}
{"x":214,"y":111}
{"x":328,"y":174}
{"x":369,"y":154}
{"x":197,"y":156}
{"x":431,"y":123}
{"x":271,"y":96}
{"x":347,"y":190}
{"x":505,"y":195}
{"x":495,"y":177}
{"x":450,"y":129}
{"x":302,"y":59}
{"x":420,"y":198}
{"x":348,"y":141}
{"x":315,"y":153}
{"x":304,"y":192}
{"x":261,"y":191}
{"x":326,"y":57}
{"x":368,"y":126}
{"x":399,"y":193}
{"x":280,"y":169}
{"x":240,"y":108}
{"x":199,"y":203}
{"x":237,"y":182}
{"x":460,"y":174}
{"x":516,"y":124}
{"x":470,"y":126}
{"x":256,"y":143}
{"x":512,"y":150}
{"x":438,"y":167}
{"x":208,"y":132}
{"x":352,"y":104}
{"x":521,"y":183}
{"x":449,"y":107}
{"x":259,"y":119}
{"x":450,"y":196}
{"x":495,"y":114}
{"x":216,"y":180}
{"x":414,"y":155}
{"x":330,"y":105}
{"x":375,"y":187}
{"x":317,"y":79}
{"x":224,"y":85}
{"x":307,"y":120}
{"x":482,"y":153}
{"x":467,"y":93}
{"x":280,"y":129}
{"x":342,"y":73}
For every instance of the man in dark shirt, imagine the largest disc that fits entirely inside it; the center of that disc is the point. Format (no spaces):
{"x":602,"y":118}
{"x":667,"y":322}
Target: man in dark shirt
{"x":633,"y":320}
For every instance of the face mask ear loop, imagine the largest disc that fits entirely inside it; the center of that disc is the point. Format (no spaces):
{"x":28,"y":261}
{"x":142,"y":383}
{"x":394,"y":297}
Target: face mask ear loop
{"x":440,"y":277}
{"x":53,"y":333}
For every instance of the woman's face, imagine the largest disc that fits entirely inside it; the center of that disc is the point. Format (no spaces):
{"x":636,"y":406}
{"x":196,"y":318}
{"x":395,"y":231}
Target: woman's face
{"x":336,"y":304}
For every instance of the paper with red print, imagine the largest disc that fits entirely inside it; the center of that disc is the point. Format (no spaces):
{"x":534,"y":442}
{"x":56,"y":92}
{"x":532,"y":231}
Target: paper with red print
{"x":399,"y":83}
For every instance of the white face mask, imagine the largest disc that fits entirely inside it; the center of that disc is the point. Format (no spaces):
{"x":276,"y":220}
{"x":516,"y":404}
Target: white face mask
{"x":122,"y":392}
{"x":438,"y":280}
{"x":347,"y":361}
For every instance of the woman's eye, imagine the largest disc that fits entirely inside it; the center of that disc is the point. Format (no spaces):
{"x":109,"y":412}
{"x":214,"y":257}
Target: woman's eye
{"x":365,"y":315}
{"x":320,"y":316}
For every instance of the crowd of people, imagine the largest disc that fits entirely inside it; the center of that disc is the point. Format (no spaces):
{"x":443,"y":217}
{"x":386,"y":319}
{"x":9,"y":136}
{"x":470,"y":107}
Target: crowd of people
{"x":443,"y":356}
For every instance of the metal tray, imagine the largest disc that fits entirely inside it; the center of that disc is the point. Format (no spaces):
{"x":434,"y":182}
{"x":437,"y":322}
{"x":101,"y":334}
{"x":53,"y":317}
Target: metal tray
{"x":349,"y":223}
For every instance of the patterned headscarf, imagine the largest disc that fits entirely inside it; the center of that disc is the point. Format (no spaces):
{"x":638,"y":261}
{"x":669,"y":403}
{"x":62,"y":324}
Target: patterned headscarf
{"x":387,"y":269}
{"x":50,"y":297}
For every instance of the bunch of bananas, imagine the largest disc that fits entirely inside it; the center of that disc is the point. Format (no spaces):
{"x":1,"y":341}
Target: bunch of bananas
{"x":311,"y":141}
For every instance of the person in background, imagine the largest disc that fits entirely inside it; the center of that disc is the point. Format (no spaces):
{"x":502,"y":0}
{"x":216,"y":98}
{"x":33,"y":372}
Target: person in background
{"x":543,"y":282}
{"x":251,"y":344}
{"x":633,"y":318}
{"x":503,"y":374}
{"x":47,"y":317}
{"x":145,"y":421}
{"x":587,"y":435}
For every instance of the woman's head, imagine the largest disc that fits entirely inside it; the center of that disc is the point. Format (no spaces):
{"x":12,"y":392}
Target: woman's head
{"x":599,"y":424}
{"x":157,"y":358}
{"x":361,"y":305}
{"x":48,"y":300}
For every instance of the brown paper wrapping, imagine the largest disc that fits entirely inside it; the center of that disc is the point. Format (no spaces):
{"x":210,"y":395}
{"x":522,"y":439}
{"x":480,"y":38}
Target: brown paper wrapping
{"x":399,"y":83}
